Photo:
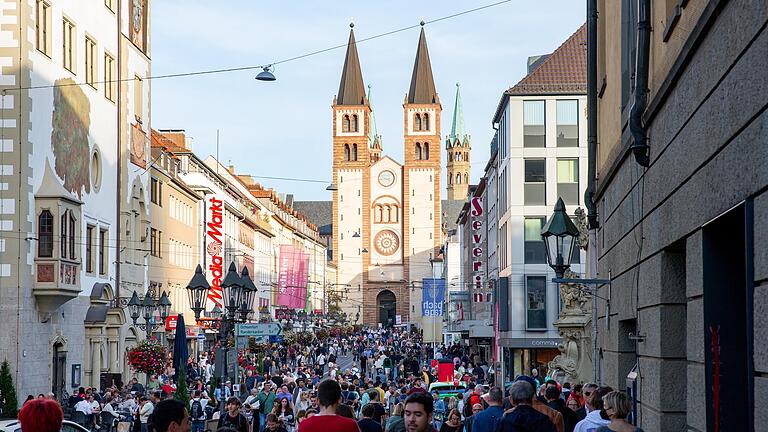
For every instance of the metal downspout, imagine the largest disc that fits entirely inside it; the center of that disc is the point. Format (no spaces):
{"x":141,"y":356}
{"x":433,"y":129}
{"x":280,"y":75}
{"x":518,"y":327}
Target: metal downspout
{"x":640,"y":147}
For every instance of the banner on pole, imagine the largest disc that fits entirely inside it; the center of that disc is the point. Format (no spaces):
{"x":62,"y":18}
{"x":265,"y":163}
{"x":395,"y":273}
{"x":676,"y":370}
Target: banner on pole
{"x":292,"y":278}
{"x":433,"y":297}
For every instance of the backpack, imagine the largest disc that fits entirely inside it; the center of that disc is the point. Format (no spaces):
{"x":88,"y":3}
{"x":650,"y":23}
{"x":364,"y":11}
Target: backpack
{"x":209,"y":412}
{"x":196,"y":412}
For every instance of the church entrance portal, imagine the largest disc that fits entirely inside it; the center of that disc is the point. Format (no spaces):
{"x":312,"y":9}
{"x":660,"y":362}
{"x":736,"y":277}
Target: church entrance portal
{"x":387,"y":308}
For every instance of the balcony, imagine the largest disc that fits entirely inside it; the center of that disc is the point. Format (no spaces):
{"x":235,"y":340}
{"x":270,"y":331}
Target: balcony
{"x":56,"y":282}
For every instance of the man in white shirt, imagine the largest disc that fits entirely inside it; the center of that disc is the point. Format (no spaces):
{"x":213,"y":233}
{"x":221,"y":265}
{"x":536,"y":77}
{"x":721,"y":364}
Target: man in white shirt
{"x":84,"y":406}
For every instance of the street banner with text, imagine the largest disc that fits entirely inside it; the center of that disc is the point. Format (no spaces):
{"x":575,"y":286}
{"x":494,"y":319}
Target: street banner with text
{"x":433,"y":298}
{"x":292,"y":278}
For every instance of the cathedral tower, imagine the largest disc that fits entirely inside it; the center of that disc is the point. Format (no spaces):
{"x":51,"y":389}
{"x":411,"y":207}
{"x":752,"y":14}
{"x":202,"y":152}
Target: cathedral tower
{"x":351,"y":163}
{"x":457,"y":148}
{"x":421,"y":175}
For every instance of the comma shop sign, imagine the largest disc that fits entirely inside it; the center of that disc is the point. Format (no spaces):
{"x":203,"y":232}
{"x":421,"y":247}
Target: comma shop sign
{"x":530,"y":342}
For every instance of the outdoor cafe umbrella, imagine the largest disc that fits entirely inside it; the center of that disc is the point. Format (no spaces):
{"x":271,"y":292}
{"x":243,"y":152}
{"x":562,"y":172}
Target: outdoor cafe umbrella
{"x":180,"y":350}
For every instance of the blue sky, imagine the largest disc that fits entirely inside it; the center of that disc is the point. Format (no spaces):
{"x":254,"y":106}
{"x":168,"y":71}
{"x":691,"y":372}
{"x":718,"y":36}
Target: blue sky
{"x":283,"y":128}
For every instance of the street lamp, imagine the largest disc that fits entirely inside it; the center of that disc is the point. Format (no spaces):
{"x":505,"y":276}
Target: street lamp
{"x":232,"y":291}
{"x":559,"y":234}
{"x":249,"y":294}
{"x":265,"y":74}
{"x":197,"y":289}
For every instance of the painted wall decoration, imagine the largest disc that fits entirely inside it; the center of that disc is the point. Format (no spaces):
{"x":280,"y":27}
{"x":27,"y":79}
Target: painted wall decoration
{"x":138,"y":146}
{"x":70,"y":122}
{"x":138,"y":24}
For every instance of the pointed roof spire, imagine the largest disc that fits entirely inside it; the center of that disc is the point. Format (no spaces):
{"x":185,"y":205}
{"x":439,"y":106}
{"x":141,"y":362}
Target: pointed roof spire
{"x":422,"y":90}
{"x":373,"y":133}
{"x":351,"y":88}
{"x":457,"y":126}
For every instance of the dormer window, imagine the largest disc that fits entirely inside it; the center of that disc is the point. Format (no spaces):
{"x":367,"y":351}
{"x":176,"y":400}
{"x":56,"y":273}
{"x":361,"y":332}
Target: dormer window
{"x":345,"y":123}
{"x":45,"y":234}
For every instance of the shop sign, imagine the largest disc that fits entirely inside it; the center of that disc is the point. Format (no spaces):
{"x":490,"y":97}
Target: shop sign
{"x":530,"y":342}
{"x":480,"y":294}
{"x":214,"y":248}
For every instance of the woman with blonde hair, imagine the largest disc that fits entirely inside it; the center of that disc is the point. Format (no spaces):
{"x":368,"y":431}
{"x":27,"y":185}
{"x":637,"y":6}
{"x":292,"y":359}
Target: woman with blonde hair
{"x":452,"y":422}
{"x":396,"y":422}
{"x":617,"y":407}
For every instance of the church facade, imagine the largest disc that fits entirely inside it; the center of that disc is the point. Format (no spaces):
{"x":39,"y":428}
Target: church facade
{"x":386,"y":214}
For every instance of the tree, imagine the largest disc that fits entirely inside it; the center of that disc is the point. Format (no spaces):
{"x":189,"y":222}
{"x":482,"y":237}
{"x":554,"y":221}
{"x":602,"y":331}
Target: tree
{"x":182,"y":391}
{"x":11,"y":403}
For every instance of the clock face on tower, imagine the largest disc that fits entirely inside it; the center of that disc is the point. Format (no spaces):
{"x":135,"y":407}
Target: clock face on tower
{"x":386,"y":242}
{"x":386,"y":178}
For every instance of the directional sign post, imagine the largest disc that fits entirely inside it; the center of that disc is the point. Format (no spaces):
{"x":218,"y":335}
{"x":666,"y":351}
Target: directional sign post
{"x":258,"y":329}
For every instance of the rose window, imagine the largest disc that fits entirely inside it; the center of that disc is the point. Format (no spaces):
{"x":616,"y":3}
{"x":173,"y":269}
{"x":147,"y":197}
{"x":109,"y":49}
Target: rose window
{"x":386,"y":242}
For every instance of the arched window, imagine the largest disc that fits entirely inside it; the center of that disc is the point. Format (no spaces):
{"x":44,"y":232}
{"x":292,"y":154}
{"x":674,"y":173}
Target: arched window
{"x":466,"y":156}
{"x":450,"y":179}
{"x":425,"y":123}
{"x":458,"y":178}
{"x":418,"y":151}
{"x":458,"y":157}
{"x":45,"y":235}
{"x":417,"y":122}
{"x":426,"y":151}
{"x":395,"y":213}
{"x":353,"y":128}
{"x":377,"y":214}
{"x":346,"y":152}
{"x":354,"y":152}
{"x":345,"y":123}
{"x":450,"y":157}
{"x":387,"y":214}
{"x":466,"y":178}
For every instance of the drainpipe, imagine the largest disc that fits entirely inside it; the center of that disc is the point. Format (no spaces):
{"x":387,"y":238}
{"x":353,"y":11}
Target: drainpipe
{"x":119,"y":172}
{"x":639,"y":145}
{"x":589,"y":200}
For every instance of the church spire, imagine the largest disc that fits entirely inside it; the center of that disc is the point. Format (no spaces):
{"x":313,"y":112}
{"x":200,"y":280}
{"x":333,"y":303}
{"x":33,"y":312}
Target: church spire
{"x":351,"y":88}
{"x":422,"y":90}
{"x":457,"y":126}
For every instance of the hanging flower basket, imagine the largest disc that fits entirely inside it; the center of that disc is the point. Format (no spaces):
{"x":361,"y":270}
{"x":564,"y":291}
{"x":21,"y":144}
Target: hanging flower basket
{"x":149,"y":357}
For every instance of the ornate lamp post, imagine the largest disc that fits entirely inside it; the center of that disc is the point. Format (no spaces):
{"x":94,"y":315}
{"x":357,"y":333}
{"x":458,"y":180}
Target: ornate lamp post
{"x":248,"y":294}
{"x":559,"y":233}
{"x":197,"y":290}
{"x":146,"y":308}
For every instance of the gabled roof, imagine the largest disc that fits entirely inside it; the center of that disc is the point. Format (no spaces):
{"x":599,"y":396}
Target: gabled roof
{"x":563,"y":72}
{"x":422,"y":90}
{"x":351,"y":87}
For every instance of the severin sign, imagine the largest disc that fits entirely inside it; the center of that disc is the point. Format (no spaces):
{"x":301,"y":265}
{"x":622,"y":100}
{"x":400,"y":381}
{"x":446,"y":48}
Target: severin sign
{"x":214,"y":247}
{"x":477,"y":250}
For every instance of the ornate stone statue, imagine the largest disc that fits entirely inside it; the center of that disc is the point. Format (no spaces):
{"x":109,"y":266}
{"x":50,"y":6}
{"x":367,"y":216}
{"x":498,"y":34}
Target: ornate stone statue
{"x":581,"y":224}
{"x":573,"y":363}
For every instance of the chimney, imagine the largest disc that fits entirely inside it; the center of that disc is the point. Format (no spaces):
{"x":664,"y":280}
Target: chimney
{"x":231,"y":168}
{"x":289,"y":200}
{"x":177,"y":136}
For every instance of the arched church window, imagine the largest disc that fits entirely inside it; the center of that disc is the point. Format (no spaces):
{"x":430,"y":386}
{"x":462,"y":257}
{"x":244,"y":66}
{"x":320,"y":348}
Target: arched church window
{"x":377,"y":215}
{"x":458,"y":178}
{"x":45,"y":235}
{"x":353,"y":128}
{"x":345,"y":123}
{"x":346,"y":152}
{"x":418,"y":151}
{"x":426,"y":151}
{"x":425,"y":122}
{"x":395,"y":213}
{"x":450,"y":157}
{"x":354,"y":152}
{"x":466,"y":178}
{"x":466,"y":156}
{"x":417,"y":122}
{"x":450,"y":179}
{"x":387,"y":218}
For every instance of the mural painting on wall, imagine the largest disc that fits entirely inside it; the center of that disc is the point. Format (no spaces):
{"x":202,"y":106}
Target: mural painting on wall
{"x":69,"y":136}
{"x":138,"y":24}
{"x":138,"y":146}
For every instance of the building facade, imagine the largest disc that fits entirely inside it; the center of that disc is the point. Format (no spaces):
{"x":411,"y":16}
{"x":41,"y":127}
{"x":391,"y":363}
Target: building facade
{"x":386,"y":215}
{"x":682,"y":205}
{"x":74,"y":118}
{"x":542,"y":156}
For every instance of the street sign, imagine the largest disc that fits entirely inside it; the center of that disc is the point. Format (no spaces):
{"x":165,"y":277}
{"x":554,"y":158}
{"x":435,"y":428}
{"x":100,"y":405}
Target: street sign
{"x":258,"y":329}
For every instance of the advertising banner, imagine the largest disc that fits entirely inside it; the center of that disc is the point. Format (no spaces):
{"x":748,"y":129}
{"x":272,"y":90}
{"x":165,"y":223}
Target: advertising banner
{"x":434,"y":297}
{"x":214,"y":231}
{"x":292,"y":277}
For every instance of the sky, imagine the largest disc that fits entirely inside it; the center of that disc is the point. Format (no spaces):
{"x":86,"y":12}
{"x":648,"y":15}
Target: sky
{"x":283,"y":128}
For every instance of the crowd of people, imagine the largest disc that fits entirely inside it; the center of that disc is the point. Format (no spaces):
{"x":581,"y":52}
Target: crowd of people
{"x":388,"y":383}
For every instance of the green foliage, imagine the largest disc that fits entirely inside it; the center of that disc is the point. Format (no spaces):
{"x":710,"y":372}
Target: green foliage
{"x":11,"y":405}
{"x":182,"y":391}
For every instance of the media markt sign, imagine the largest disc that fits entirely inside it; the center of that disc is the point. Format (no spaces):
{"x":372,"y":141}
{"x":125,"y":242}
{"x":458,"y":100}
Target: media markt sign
{"x":258,"y":329}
